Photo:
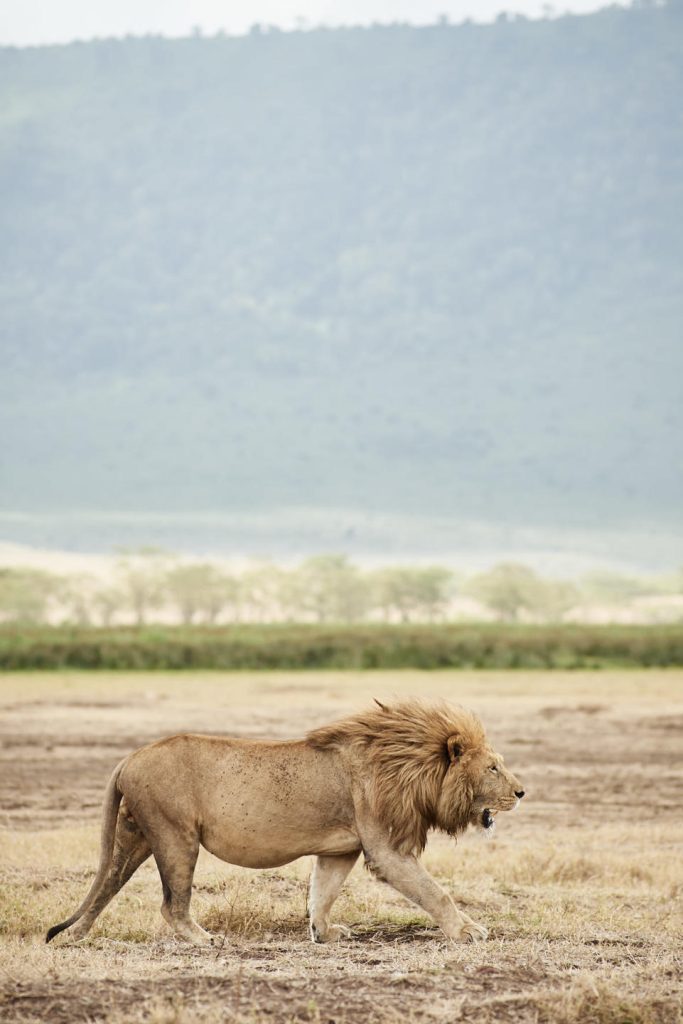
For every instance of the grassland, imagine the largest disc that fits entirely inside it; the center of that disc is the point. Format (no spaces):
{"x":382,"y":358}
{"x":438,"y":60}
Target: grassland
{"x":580,"y":889}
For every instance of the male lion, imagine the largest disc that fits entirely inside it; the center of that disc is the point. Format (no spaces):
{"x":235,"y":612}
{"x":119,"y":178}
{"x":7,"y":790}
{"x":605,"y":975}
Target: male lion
{"x":374,"y":783}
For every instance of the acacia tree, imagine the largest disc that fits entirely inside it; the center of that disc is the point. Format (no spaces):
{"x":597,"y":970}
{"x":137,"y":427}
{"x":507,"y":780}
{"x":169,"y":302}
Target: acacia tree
{"x":612,"y":587}
{"x":558,"y":596}
{"x":185,"y":584}
{"x":107,"y":601}
{"x":332,"y":589}
{"x":261,"y":590}
{"x":77,"y":596}
{"x":200,"y":591}
{"x":222,"y":591}
{"x":412,"y":592}
{"x":27,"y":594}
{"x":391,"y":592}
{"x":432,"y":587}
{"x":508,"y":589}
{"x":141,"y":575}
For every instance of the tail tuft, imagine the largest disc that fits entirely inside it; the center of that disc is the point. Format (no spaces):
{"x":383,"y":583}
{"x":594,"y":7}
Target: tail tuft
{"x":56,"y":929}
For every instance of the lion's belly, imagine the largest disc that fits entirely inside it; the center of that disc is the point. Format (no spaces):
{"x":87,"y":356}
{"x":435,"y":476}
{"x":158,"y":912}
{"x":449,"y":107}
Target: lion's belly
{"x":266,"y":848}
{"x":271,"y":804}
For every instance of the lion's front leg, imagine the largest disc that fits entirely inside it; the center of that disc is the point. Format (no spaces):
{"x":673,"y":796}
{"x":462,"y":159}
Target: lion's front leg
{"x":327,"y":879}
{"x":406,"y":874}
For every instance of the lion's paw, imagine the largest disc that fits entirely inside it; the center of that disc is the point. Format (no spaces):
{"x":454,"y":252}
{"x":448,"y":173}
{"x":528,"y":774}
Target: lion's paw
{"x":470,"y":932}
{"x":473,"y":932}
{"x":193,"y":934}
{"x":332,"y":933}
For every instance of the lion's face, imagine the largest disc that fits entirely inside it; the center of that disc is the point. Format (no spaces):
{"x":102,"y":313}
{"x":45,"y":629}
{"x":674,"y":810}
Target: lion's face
{"x":494,"y":787}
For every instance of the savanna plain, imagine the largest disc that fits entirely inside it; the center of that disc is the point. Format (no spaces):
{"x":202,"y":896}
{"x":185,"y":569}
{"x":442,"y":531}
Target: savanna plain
{"x":580,"y":888}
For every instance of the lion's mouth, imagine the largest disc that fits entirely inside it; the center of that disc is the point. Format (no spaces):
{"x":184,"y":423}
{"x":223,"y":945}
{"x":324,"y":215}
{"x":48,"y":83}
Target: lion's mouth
{"x":487,"y":818}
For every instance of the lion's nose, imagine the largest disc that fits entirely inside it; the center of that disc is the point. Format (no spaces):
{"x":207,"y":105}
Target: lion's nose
{"x":519,"y":793}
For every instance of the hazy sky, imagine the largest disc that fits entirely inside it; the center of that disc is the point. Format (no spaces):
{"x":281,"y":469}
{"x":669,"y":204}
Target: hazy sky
{"x":30,"y":22}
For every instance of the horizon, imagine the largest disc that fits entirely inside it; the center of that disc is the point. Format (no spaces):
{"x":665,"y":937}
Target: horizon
{"x":30,"y":26}
{"x":368,"y":536}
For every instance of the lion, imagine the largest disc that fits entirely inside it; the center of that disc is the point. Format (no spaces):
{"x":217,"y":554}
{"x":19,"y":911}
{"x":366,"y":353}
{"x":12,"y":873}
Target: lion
{"x":375,"y":783}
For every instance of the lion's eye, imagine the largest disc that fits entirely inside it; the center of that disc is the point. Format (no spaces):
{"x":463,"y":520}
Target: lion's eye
{"x":493,"y":768}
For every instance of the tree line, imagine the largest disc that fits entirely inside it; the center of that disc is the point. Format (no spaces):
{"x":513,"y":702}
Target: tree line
{"x":149,"y":585}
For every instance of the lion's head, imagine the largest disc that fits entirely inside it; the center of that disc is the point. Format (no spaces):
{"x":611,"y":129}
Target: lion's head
{"x":426,"y":766}
{"x":490,"y":786}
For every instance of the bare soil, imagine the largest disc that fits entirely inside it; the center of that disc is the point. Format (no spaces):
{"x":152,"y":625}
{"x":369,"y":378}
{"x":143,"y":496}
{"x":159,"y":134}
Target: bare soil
{"x":580,"y":888}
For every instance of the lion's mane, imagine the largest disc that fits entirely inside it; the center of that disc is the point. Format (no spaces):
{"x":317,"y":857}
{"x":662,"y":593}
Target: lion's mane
{"x":419,"y":760}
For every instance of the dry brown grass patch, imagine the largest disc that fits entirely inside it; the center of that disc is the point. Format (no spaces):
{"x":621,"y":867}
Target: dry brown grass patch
{"x":580,"y":888}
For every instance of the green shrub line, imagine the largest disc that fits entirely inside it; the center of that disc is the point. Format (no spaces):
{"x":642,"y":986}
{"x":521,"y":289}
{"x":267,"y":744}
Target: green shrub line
{"x":376,"y":646}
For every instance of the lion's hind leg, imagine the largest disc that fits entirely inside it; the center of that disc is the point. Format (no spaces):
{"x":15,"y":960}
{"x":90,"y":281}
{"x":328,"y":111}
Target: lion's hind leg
{"x":131,"y":849}
{"x":329,"y":874}
{"x":176,"y":857}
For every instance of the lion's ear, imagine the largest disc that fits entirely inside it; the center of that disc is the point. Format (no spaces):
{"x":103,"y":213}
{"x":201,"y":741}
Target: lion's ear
{"x":454,"y":748}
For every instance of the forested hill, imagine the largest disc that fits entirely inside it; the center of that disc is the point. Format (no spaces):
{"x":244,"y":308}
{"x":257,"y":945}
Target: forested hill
{"x":418,"y":269}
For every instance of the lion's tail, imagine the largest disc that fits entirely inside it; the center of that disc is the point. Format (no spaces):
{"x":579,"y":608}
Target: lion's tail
{"x":112,"y":799}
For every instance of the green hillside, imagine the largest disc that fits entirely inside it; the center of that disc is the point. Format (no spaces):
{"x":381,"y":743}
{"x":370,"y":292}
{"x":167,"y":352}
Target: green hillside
{"x":415,"y":269}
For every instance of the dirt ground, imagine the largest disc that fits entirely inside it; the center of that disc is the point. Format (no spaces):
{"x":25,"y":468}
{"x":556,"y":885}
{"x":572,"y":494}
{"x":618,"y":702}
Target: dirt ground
{"x":580,"y":889}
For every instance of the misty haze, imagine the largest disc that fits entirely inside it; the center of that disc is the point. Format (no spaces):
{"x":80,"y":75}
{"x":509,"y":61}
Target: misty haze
{"x":425,"y":273}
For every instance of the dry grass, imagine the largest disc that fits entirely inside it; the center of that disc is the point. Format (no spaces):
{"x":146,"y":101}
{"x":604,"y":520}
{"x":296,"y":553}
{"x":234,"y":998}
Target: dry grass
{"x":581,"y":889}
{"x":254,"y":689}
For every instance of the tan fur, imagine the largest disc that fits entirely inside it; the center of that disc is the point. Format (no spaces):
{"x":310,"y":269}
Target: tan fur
{"x":376,"y":783}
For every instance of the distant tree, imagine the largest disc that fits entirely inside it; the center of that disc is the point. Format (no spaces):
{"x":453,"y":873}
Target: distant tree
{"x":142,"y":574}
{"x":412,"y":592}
{"x":433,"y":585}
{"x":76,"y":596}
{"x":200,"y":591}
{"x":26,"y":594}
{"x":107,"y":601}
{"x":555,"y":597}
{"x":393,"y":592}
{"x":508,"y":589}
{"x":332,"y":589}
{"x":222,"y":591}
{"x":612,"y":588}
{"x":185,"y":584}
{"x":291,"y":598}
{"x":261,"y":592}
